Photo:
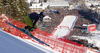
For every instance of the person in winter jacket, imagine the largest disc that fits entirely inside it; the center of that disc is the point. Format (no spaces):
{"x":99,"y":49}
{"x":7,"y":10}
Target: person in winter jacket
{"x":31,"y":20}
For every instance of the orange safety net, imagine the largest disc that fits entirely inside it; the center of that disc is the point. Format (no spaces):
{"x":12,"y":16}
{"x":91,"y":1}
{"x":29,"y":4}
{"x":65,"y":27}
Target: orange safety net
{"x":65,"y":46}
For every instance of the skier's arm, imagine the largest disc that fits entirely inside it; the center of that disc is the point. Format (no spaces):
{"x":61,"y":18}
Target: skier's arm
{"x":35,"y":21}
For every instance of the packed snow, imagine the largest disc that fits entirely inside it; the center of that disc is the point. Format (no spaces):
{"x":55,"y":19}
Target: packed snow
{"x":95,"y":39}
{"x":14,"y":44}
{"x":65,"y":26}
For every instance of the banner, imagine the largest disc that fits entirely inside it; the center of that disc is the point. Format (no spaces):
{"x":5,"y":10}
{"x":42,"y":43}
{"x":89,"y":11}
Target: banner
{"x":91,"y":27}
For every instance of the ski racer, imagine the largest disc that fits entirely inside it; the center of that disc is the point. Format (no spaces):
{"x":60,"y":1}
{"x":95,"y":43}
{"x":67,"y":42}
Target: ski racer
{"x":31,"y":20}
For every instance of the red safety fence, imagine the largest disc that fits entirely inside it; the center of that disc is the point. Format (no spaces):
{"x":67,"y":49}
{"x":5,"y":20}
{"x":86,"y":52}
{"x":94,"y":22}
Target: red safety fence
{"x":57,"y":45}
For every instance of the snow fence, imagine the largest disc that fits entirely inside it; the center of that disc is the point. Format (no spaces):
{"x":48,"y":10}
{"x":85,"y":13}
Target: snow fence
{"x":57,"y":45}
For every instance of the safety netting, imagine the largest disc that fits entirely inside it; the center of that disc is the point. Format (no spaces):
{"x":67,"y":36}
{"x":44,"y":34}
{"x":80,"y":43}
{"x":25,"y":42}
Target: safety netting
{"x":65,"y":46}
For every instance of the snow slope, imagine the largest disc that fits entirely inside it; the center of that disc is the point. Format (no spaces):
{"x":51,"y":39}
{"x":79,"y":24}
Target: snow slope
{"x":12,"y":44}
{"x":65,"y":26}
{"x":95,"y":39}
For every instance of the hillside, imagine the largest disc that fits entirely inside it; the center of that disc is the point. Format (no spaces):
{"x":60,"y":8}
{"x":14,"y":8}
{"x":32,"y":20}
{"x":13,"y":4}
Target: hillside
{"x":78,"y":29}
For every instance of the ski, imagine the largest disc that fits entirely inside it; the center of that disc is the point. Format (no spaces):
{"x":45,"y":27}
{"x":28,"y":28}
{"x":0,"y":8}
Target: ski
{"x":28,"y":34}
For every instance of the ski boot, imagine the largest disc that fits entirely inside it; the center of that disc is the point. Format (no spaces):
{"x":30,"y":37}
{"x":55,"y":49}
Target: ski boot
{"x":31,"y":29}
{"x":27,"y":32}
{"x":23,"y":29}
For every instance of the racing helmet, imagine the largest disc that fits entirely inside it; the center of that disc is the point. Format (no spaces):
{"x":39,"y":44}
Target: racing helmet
{"x":42,"y":14}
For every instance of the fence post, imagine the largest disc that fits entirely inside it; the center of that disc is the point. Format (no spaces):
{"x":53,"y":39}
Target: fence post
{"x":74,"y":47}
{"x":63,"y":47}
{"x":55,"y":40}
{"x":45,"y":37}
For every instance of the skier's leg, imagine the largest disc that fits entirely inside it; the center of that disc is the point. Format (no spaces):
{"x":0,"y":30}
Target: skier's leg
{"x":32,"y":28}
{"x":28,"y":21}
{"x":26,"y":27}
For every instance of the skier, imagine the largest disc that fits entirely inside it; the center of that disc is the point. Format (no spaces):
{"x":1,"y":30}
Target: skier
{"x":31,"y":20}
